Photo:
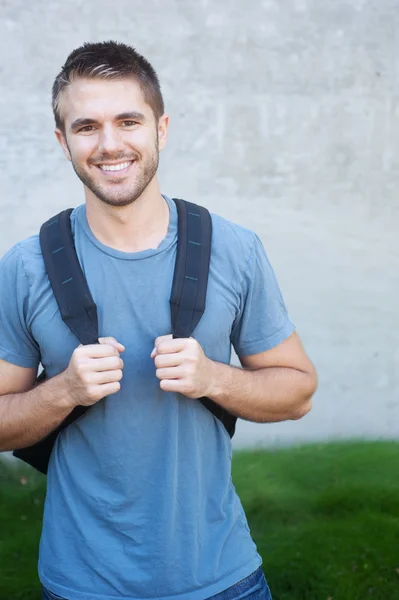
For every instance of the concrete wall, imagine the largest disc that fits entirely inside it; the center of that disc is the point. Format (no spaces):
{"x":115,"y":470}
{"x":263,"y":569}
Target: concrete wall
{"x":284,"y":118}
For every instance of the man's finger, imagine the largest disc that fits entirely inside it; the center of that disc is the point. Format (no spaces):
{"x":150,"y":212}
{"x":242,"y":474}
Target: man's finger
{"x":101,"y":377}
{"x":111,"y":341}
{"x":171,"y":346}
{"x":167,"y":360}
{"x":163,"y":338}
{"x":100,"y":350}
{"x":107,"y":363}
{"x":158,"y":340}
{"x":172,"y":385}
{"x":169,"y":373}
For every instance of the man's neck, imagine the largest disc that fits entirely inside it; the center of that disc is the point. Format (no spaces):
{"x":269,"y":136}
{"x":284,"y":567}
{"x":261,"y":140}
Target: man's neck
{"x":133,"y":228}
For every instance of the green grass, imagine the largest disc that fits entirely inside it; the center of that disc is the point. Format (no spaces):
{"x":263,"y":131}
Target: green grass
{"x":21,"y":509}
{"x":325,"y":519}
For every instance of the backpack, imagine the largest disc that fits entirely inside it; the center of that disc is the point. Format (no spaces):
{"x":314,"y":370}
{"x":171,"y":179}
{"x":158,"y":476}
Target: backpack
{"x":79,"y":312}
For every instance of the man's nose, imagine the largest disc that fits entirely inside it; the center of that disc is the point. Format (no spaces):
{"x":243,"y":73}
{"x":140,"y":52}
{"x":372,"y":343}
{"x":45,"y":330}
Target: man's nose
{"x":110,"y":140}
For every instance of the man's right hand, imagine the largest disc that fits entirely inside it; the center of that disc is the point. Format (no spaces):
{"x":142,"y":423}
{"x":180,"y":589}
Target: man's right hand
{"x":94,"y":372}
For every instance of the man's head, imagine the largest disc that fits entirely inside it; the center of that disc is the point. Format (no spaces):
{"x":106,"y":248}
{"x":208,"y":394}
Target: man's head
{"x":110,"y":121}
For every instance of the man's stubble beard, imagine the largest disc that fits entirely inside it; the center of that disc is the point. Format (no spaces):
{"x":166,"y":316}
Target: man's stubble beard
{"x":146,"y":172}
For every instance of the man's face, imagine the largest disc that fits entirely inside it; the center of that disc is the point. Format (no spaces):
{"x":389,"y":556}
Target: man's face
{"x":111,"y":137}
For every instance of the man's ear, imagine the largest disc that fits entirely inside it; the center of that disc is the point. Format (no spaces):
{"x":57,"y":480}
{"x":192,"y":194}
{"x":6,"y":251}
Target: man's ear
{"x":163,"y":125}
{"x":63,"y":143}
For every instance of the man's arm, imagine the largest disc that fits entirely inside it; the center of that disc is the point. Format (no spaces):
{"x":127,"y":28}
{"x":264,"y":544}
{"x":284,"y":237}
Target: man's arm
{"x":28,"y":414}
{"x":273,"y":386}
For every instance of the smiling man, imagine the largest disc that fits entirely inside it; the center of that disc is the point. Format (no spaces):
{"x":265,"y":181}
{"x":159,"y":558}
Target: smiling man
{"x":140,"y":502}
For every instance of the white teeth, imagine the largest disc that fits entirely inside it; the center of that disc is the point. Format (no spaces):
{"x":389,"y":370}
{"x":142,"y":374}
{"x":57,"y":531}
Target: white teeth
{"x":119,"y":167}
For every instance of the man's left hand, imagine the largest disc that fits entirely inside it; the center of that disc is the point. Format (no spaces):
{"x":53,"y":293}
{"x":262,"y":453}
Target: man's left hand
{"x":182,"y":366}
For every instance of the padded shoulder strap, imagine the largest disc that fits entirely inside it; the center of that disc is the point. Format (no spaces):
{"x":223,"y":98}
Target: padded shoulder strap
{"x":192,"y":267}
{"x":190,"y":284}
{"x":67,"y":280}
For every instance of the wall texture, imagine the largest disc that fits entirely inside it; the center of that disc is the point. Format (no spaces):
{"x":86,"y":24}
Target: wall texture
{"x":284,"y":118}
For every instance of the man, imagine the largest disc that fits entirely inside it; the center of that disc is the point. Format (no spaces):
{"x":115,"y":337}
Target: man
{"x":140,"y":502}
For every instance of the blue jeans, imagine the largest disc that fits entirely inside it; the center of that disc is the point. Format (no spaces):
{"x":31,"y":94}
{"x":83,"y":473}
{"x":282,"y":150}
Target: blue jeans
{"x":253,"y":587}
{"x":47,"y":595}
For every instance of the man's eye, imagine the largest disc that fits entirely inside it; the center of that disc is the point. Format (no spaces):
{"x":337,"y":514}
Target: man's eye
{"x":129,"y":123}
{"x":86,"y":129}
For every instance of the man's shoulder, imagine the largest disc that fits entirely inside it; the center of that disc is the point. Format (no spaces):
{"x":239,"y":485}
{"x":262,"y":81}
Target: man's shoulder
{"x":29,"y":245}
{"x":22,"y":261}
{"x":22,"y":251}
{"x":231,"y":239}
{"x":231,"y":230}
{"x":28,"y":251}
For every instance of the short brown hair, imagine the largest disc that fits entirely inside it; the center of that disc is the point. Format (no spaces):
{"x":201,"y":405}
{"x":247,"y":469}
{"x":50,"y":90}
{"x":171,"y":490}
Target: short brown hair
{"x":108,"y":60}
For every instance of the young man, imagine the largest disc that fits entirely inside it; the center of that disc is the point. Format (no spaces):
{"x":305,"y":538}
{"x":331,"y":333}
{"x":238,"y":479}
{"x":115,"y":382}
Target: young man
{"x":140,"y":502}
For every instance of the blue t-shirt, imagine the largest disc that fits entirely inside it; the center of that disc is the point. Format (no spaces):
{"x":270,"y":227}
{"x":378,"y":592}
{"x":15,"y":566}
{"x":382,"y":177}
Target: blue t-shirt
{"x":140,"y":501}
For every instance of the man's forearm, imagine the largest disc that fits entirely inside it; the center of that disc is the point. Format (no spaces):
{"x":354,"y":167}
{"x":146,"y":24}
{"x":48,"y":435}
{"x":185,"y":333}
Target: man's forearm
{"x":28,"y":417}
{"x":262,"y":395}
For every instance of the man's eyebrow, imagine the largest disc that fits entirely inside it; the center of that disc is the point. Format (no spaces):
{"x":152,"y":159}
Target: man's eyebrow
{"x":130,"y":116}
{"x":82,"y":123}
{"x":126,"y":116}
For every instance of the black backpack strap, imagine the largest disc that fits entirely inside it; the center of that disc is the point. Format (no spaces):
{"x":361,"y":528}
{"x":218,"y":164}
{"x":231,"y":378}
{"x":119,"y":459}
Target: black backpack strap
{"x":77,"y":309}
{"x":193,"y":256}
{"x":67,"y":280}
{"x":190,"y":282}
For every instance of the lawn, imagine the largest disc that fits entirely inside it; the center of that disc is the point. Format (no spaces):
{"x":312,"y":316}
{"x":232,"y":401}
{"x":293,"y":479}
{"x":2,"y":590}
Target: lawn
{"x":325,"y":519}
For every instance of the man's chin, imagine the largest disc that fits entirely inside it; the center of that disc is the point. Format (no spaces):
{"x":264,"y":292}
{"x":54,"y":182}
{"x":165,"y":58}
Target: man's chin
{"x":116,"y":202}
{"x":113,"y":199}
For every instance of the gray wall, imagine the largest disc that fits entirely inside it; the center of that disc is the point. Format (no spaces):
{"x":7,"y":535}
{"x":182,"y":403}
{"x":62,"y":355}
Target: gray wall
{"x":284,"y":118}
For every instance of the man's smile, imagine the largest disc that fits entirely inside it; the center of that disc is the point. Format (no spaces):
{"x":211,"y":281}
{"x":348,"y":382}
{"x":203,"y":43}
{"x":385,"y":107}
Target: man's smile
{"x":111,"y":169}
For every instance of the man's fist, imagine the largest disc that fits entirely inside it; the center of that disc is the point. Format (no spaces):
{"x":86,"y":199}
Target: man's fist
{"x":94,"y":372}
{"x":182,"y":366}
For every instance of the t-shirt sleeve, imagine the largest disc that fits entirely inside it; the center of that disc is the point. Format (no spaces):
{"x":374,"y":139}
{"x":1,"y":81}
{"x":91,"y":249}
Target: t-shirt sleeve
{"x":17,"y":344}
{"x":262,"y":322}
